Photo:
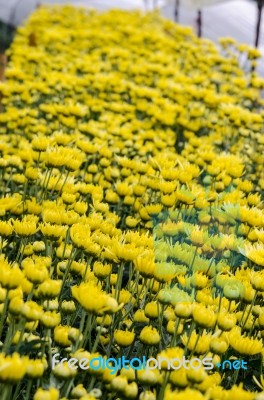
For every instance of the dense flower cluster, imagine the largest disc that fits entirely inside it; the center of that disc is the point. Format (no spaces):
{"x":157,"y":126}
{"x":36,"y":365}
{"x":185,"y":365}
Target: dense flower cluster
{"x":132,"y":218}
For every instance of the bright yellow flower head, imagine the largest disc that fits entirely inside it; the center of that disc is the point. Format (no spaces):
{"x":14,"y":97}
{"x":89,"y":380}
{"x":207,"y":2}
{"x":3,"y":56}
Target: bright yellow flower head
{"x":149,"y":336}
{"x":200,"y":346}
{"x":124,"y":338}
{"x":255,"y":253}
{"x":12,"y":368}
{"x":50,"y":394}
{"x":244,"y":345}
{"x":93,"y":299}
{"x":203,"y":316}
{"x":145,"y":265}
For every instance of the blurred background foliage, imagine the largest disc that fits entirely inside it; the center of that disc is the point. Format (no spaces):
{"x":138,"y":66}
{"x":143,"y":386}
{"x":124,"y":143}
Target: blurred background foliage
{"x":6,"y":35}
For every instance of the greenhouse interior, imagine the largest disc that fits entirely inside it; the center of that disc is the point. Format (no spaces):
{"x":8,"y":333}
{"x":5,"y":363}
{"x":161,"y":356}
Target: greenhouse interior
{"x":132,"y":200}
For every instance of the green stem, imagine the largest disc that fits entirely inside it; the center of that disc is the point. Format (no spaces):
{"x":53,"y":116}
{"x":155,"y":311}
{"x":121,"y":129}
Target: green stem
{"x":81,"y":329}
{"x":98,"y":336}
{"x":71,"y":259}
{"x":87,"y":332}
{"x":66,"y":242}
{"x":28,"y":390}
{"x":163,"y":387}
{"x":3,"y":314}
{"x":236,"y":374}
{"x":9,"y":335}
{"x":191,"y":266}
{"x":91,"y":383}
{"x":22,"y":331}
{"x":15,"y":395}
{"x":177,"y":324}
{"x":250,"y":309}
{"x":67,"y":388}
{"x":196,"y":342}
{"x":65,"y":180}
{"x":189,"y":338}
{"x":45,"y":184}
{"x":19,"y":250}
{"x":119,"y":281}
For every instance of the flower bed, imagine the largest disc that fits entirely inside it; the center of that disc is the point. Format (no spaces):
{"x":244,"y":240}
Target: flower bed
{"x":131,"y":210}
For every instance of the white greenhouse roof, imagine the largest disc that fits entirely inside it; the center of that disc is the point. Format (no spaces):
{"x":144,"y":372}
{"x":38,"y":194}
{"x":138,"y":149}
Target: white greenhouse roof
{"x":15,"y":11}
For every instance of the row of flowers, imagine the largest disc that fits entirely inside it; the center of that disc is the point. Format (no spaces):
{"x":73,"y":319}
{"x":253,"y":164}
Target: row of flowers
{"x":131,"y":208}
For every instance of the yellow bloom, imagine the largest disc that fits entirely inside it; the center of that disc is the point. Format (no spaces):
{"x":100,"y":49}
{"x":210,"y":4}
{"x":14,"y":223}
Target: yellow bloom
{"x":145,"y":265}
{"x":53,"y":232}
{"x":93,"y":299}
{"x":101,"y":270}
{"x":5,"y":228}
{"x":219,"y":345}
{"x":203,"y":316}
{"x":149,"y":336}
{"x":140,"y":316}
{"x":131,"y":390}
{"x":226,"y":321}
{"x":183,"y":309}
{"x":36,"y":368}
{"x":31,"y":311}
{"x":255,"y":253}
{"x":61,"y":335}
{"x":68,"y":307}
{"x":35,"y":272}
{"x":9,"y":277}
{"x":80,"y":235}
{"x":124,"y":338}
{"x":49,"y":289}
{"x":26,"y":227}
{"x":50,"y":394}
{"x":199,"y":347}
{"x":64,"y":371}
{"x":165,"y":271}
{"x":152,"y":310}
{"x":257,"y":280}
{"x":244,"y":345}
{"x":238,"y":393}
{"x":132,"y":222}
{"x":12,"y":368}
{"x":50,"y":319}
{"x":183,"y":395}
{"x":197,"y":374}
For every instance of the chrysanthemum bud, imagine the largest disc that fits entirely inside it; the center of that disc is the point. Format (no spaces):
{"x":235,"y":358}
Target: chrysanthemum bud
{"x":149,"y":336}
